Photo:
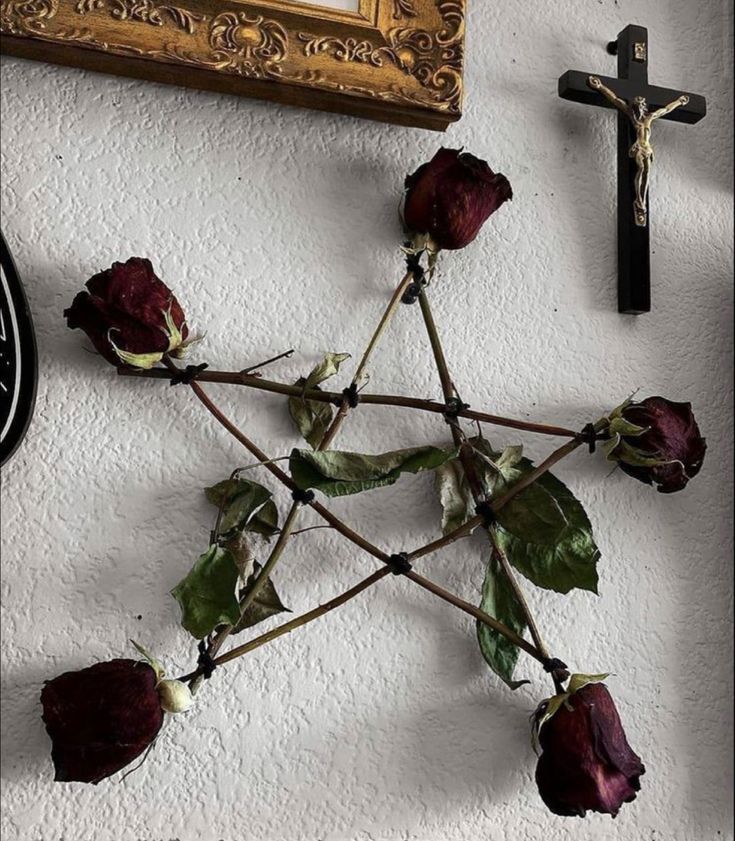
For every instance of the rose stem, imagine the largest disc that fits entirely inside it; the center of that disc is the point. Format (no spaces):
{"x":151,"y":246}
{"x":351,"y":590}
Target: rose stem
{"x":321,"y":610}
{"x":336,"y":398}
{"x":327,"y":439}
{"x":327,"y":607}
{"x":356,"y":538}
{"x":292,"y":516}
{"x":219,"y":639}
{"x":474,"y":482}
{"x":304,"y":619}
{"x":518,"y":593}
{"x":363,"y":585}
{"x":344,"y":407}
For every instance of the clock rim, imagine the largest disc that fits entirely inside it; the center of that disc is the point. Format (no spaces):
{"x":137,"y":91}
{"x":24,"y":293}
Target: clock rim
{"x":29,"y":352}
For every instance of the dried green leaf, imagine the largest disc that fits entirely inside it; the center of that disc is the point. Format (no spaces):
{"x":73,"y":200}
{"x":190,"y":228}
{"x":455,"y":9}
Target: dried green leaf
{"x":337,"y":473}
{"x":207,"y":594}
{"x":499,"y":601}
{"x":327,"y":368}
{"x":265,"y":521}
{"x":544,"y":531}
{"x":311,"y":417}
{"x":547,"y":536}
{"x":454,"y":495}
{"x":151,"y":660}
{"x":576,"y":682}
{"x":239,"y":546}
{"x":622,"y":426}
{"x":247,"y":505}
{"x":266,"y":603}
{"x":454,"y":491}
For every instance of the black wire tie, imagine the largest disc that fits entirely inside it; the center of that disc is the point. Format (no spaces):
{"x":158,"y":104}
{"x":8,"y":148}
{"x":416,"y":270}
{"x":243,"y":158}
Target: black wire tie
{"x":400,"y":564}
{"x":205,"y":663}
{"x":554,"y":664}
{"x":302,"y":496}
{"x":352,"y":396}
{"x":454,"y":407}
{"x":590,"y":436}
{"x":487,"y":512}
{"x":188,"y":374}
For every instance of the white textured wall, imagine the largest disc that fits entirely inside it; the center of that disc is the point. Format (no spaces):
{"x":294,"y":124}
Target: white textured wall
{"x":277,"y":228}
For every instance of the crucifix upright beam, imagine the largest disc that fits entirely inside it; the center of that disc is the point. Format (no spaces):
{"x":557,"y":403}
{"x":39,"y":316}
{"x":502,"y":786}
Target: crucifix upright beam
{"x":630,"y":92}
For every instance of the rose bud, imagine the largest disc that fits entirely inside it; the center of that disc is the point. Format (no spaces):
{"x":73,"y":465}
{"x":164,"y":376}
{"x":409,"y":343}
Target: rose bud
{"x":101,"y":718}
{"x":657,"y":442}
{"x":130,"y":315}
{"x":586,"y":761}
{"x":450,"y":198}
{"x":175,"y":696}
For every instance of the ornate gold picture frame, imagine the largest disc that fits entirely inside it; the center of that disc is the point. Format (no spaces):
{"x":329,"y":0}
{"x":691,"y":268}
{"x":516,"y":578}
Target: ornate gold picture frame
{"x":398,"y":61}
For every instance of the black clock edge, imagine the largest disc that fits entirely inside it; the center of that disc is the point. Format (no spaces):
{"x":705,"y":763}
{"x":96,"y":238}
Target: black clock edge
{"x":17,"y":431}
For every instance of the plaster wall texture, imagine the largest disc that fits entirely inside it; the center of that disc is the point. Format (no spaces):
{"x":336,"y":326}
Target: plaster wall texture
{"x":277,"y":228}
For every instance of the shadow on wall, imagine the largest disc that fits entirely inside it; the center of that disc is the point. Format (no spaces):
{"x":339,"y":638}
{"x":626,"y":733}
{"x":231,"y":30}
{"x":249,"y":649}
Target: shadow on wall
{"x":708,"y":156}
{"x":26,"y":747}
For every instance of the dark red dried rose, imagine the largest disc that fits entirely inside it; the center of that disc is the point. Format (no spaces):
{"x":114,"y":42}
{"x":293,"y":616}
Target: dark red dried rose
{"x":451,"y":197}
{"x":130,"y":315}
{"x":657,"y":442}
{"x":101,"y":718}
{"x":587,"y":763}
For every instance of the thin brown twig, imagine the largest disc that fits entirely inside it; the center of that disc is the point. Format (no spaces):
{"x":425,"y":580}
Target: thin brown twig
{"x":337,"y":398}
{"x":518,"y":593}
{"x":344,"y":406}
{"x":298,"y":622}
{"x":473,"y":480}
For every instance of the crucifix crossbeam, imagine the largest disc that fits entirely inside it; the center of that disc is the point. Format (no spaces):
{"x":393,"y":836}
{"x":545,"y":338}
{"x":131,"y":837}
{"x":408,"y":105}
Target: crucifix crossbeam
{"x":639,"y":105}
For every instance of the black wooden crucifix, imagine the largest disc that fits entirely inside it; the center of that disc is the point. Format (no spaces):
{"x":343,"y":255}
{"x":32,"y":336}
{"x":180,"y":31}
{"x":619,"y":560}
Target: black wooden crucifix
{"x":638,"y":104}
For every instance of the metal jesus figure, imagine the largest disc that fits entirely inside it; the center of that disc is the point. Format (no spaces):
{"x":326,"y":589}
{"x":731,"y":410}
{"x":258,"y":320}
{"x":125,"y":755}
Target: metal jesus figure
{"x":641,"y":151}
{"x":638,"y":104}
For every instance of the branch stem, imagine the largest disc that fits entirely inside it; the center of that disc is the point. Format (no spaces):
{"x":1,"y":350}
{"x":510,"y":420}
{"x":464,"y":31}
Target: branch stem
{"x":298,"y":622}
{"x":518,"y":593}
{"x":344,"y":406}
{"x":436,"y":347}
{"x":273,"y":559}
{"x":473,"y":480}
{"x":337,"y":398}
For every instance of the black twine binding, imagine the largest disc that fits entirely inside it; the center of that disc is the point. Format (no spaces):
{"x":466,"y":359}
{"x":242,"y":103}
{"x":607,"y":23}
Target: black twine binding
{"x":304,"y":497}
{"x":590,"y":436}
{"x":558,"y":671}
{"x":188,"y":374}
{"x":205,"y":663}
{"x":554,"y":664}
{"x":400,"y":564}
{"x":413,"y":290}
{"x":454,"y":407}
{"x":411,"y":295}
{"x":487,"y":512}
{"x":352,"y":396}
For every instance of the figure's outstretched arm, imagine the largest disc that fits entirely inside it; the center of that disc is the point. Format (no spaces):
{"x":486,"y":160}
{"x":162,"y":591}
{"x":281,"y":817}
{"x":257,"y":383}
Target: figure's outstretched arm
{"x":667,"y":109}
{"x":596,"y":84}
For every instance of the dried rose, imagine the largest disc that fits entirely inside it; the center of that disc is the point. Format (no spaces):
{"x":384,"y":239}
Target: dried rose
{"x":451,"y":197}
{"x":657,"y":442}
{"x":586,"y":762}
{"x":130,"y":315}
{"x":101,"y":718}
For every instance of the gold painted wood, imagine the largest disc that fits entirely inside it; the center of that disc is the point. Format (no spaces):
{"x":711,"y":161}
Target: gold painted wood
{"x":398,"y":61}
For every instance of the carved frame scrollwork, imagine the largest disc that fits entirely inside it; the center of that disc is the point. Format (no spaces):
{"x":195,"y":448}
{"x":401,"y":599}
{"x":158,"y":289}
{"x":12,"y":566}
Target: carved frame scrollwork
{"x":395,"y":60}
